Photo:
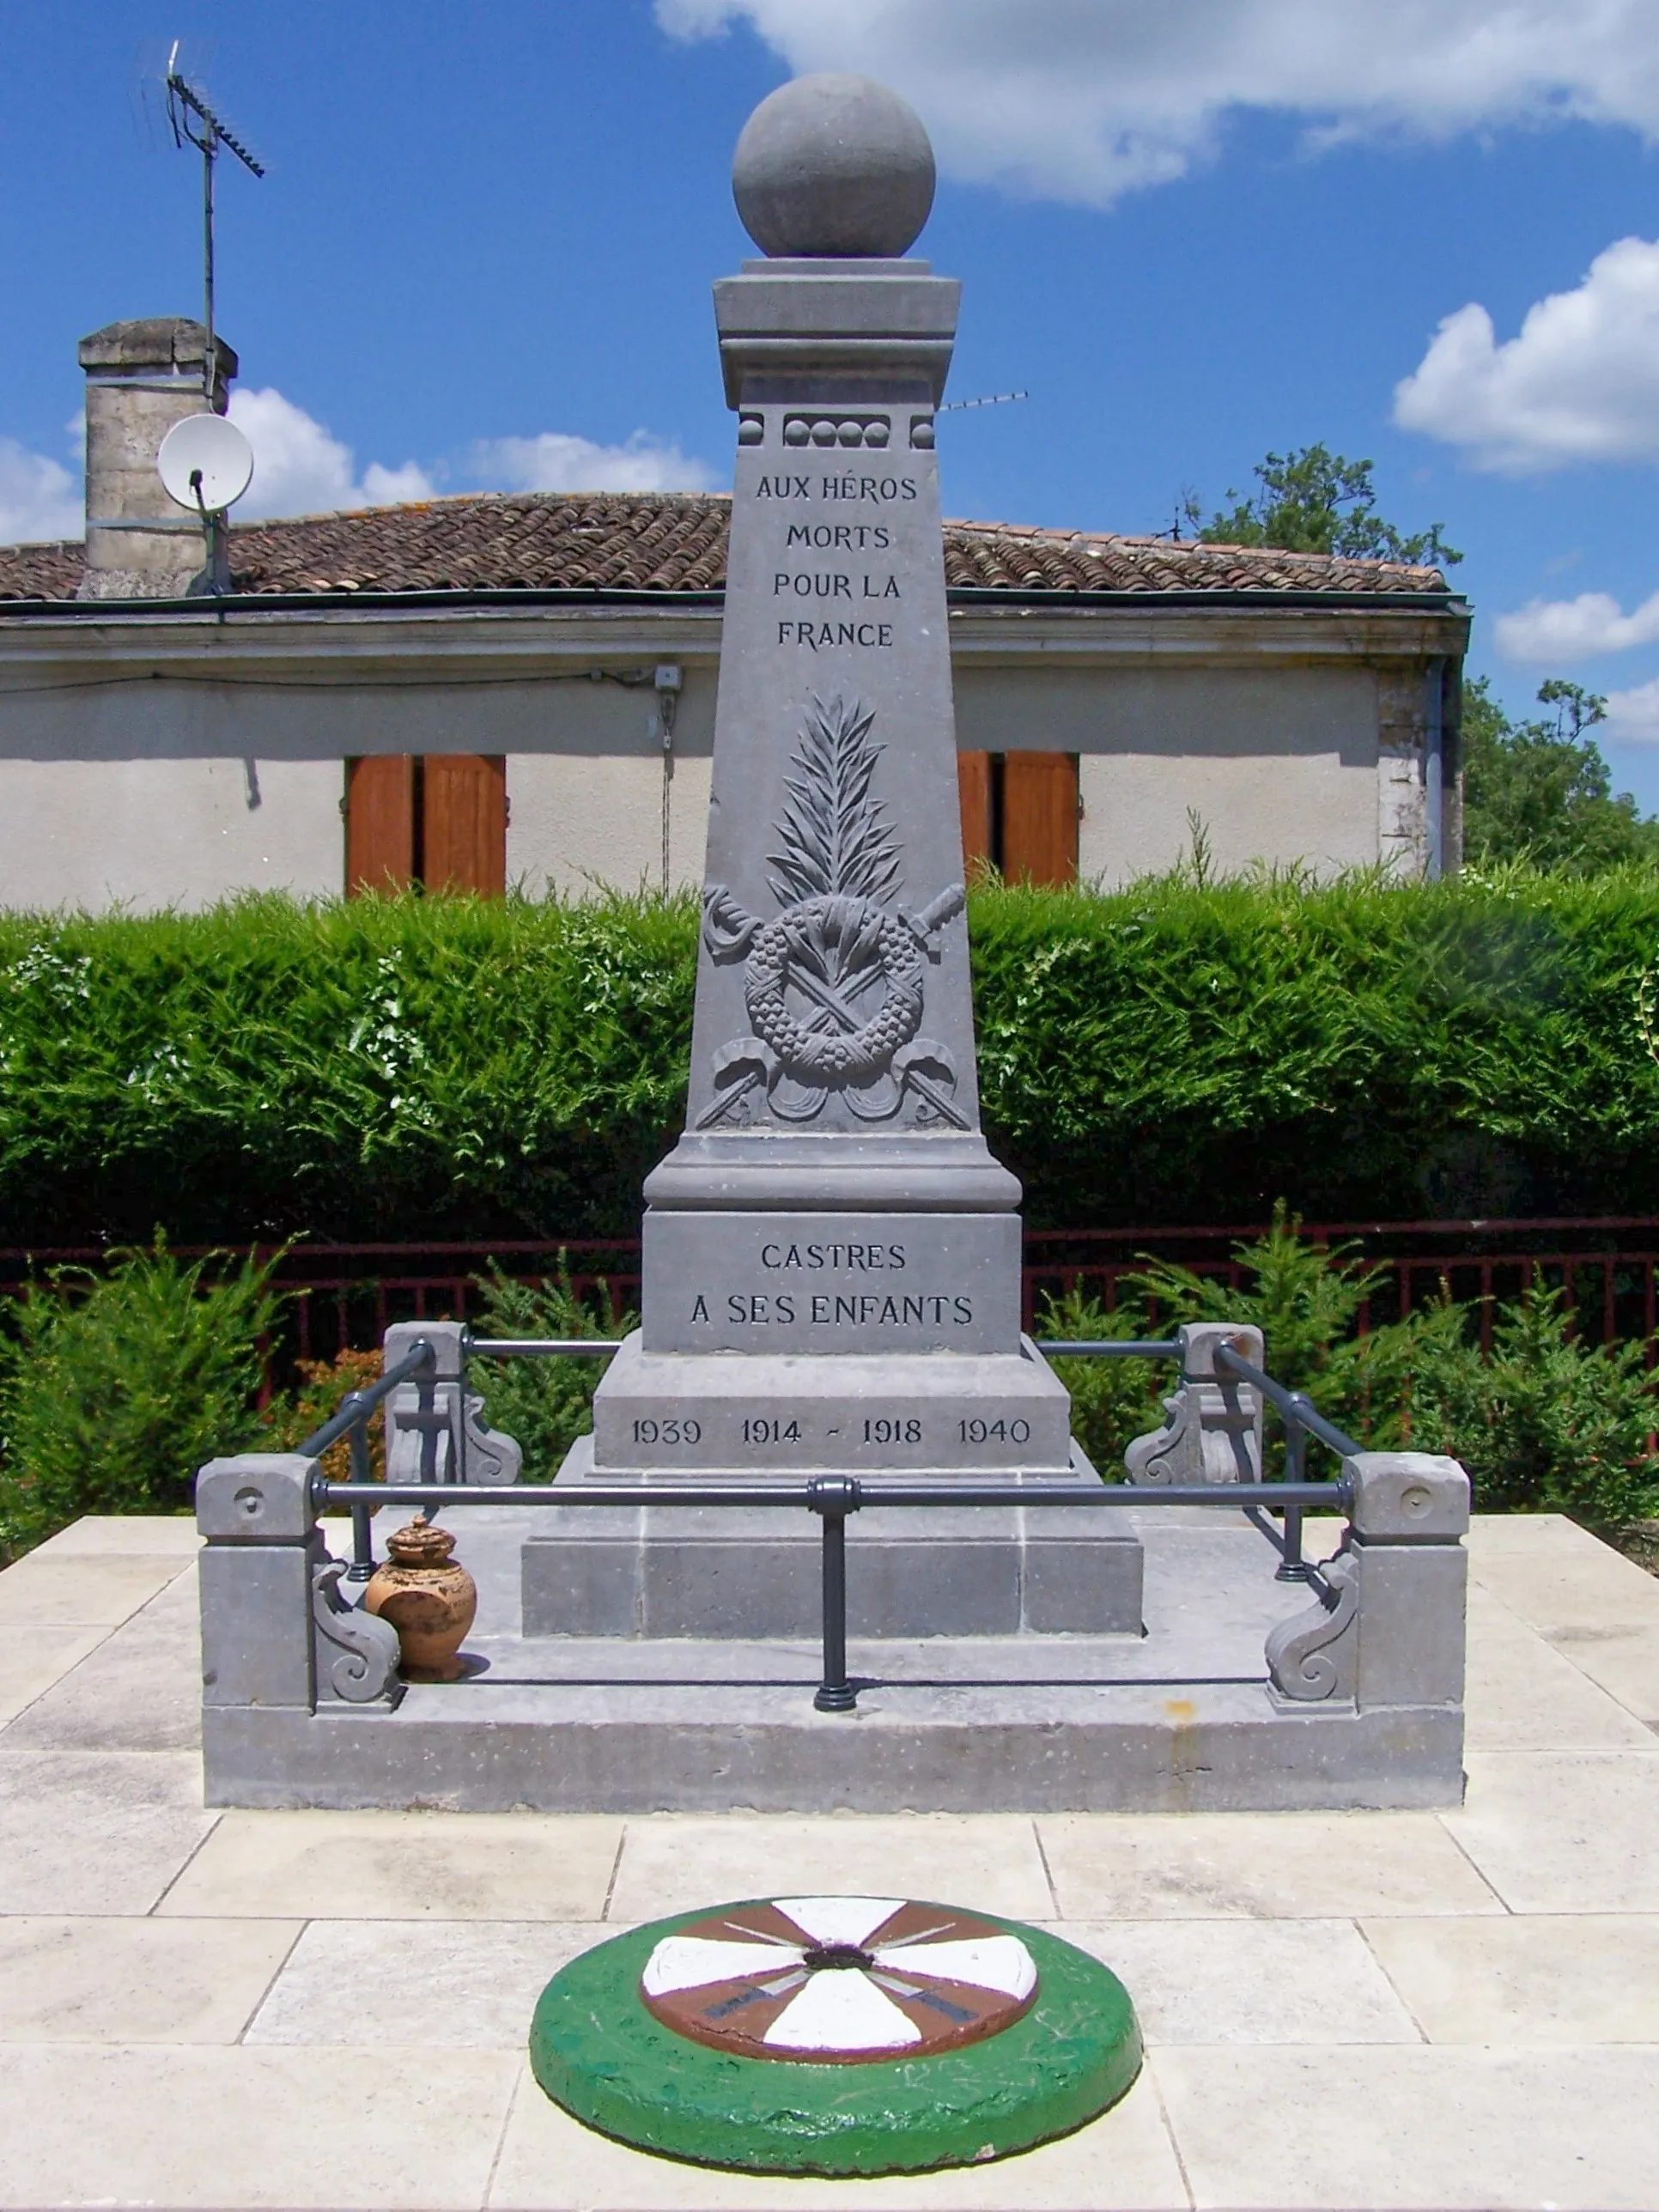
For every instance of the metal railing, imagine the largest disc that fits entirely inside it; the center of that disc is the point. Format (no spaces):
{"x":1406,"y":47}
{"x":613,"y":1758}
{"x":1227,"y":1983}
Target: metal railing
{"x":834,"y":1499}
{"x":350,"y":1420}
{"x":1301,"y":1419}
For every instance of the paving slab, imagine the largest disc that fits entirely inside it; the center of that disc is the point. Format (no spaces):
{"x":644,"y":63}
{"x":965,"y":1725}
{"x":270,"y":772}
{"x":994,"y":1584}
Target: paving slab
{"x":165,"y":1535}
{"x":1260,"y":1866}
{"x":444,"y":1984}
{"x":1563,"y":1587}
{"x":401,"y":1866}
{"x":193,"y":2125}
{"x":1250,"y":1981}
{"x":96,"y":1832}
{"x":672,"y":1862}
{"x":1623,"y":1661}
{"x":1411,"y":2126}
{"x":48,"y":1590}
{"x":139,"y":1690}
{"x":1125,"y":2159}
{"x":1524,"y":1693}
{"x":1531,"y":1535}
{"x":1583,"y":1978}
{"x":1564,"y":1831}
{"x":33,"y":1659}
{"x":118,"y":1981}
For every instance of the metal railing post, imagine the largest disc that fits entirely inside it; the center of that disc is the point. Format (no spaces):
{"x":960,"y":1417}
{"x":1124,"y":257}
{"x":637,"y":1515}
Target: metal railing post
{"x":1293,"y":1567}
{"x":833,"y":1497}
{"x":363,"y":1537}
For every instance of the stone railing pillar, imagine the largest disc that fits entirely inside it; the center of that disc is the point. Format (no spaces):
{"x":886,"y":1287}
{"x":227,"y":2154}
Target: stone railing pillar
{"x":434,"y":1427}
{"x":1212,"y":1428}
{"x":1388,"y":1630}
{"x":276,"y":1632}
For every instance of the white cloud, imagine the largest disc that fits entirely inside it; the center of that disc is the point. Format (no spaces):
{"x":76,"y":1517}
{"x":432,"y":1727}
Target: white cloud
{"x":1633,"y":716}
{"x":1084,"y":100}
{"x":300,"y":469}
{"x":39,"y":498}
{"x":1576,"y":629}
{"x":554,"y":461}
{"x":1579,"y":383}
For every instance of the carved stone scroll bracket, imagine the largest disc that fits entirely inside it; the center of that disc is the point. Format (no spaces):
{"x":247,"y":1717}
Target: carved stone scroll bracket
{"x":434,"y":1426}
{"x":1389,"y":1630}
{"x":1211,"y":1432}
{"x":356,"y":1651}
{"x":1310,"y":1656}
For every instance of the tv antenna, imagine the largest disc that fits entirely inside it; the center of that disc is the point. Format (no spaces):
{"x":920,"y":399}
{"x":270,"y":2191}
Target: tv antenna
{"x":991,"y":399}
{"x":200,"y":466}
{"x":194,"y":123}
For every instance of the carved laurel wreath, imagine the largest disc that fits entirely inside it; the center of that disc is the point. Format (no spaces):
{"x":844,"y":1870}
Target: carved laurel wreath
{"x":834,"y":875}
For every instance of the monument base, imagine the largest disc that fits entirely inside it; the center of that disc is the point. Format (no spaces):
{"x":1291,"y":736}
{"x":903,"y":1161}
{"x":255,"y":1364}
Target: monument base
{"x":735,"y":1416}
{"x":725,"y":1572}
{"x":1179,"y":1718}
{"x":946,"y":1417}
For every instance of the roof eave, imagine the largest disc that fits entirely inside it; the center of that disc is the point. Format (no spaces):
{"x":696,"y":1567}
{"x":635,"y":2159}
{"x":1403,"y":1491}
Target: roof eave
{"x":1260,"y":601}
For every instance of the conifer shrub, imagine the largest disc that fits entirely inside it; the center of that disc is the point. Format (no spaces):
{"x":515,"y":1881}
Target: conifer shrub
{"x":118,"y":1387}
{"x":1544,"y":1423}
{"x":544,"y":1404}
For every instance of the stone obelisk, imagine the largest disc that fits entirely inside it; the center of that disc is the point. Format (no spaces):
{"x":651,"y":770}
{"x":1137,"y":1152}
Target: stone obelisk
{"x":832,"y":1257}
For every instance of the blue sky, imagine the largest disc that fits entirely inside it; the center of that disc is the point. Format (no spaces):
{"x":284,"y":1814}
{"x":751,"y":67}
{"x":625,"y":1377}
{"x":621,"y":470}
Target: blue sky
{"x":1195,"y":231}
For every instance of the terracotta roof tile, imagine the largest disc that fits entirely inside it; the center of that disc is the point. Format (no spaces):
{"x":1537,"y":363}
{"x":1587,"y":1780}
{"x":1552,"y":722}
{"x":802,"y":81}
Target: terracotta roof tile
{"x":676,"y":542}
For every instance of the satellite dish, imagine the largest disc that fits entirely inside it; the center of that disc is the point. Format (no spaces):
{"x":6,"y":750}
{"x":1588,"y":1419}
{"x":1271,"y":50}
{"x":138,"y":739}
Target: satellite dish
{"x":205,"y":463}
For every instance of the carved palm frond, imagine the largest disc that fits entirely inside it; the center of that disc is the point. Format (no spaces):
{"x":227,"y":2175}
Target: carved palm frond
{"x":834,"y":837}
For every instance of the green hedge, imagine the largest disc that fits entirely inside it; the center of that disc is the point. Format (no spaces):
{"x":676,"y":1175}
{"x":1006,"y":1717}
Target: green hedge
{"x":1175,"y":1052}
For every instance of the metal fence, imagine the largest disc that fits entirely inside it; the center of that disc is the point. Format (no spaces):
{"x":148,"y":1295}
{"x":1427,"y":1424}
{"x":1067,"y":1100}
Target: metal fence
{"x":346,"y":1295}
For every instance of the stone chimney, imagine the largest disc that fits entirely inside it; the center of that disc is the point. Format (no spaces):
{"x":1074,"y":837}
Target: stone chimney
{"x":142,"y":378}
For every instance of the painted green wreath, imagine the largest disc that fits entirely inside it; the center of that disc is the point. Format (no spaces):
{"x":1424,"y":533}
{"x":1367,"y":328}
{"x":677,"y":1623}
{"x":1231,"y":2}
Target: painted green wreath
{"x":598,"y":2049}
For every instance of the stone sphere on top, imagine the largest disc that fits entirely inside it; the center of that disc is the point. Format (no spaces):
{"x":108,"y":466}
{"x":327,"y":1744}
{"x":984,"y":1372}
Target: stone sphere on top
{"x":833,"y":167}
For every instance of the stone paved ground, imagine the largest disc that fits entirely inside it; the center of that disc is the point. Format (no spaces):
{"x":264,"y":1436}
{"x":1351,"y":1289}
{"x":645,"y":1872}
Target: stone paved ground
{"x":1347,"y":2009}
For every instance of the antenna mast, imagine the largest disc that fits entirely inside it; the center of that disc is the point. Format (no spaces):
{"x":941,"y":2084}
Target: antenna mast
{"x":194,"y":123}
{"x":991,"y":399}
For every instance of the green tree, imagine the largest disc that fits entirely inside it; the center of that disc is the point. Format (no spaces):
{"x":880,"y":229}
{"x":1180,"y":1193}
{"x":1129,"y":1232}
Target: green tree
{"x":1541,"y":790}
{"x":1313,"y":501}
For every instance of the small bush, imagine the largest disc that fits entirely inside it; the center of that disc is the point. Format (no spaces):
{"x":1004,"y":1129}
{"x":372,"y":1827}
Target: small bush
{"x":323,"y":1386}
{"x":1546,"y":1423}
{"x":544,"y":1404}
{"x":119,"y":1386}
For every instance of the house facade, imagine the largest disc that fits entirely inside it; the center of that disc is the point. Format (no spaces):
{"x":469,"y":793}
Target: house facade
{"x":501,"y":690}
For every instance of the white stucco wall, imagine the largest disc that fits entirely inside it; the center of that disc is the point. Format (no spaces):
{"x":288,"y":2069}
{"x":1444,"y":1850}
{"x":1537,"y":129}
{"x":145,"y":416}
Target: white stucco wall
{"x":1279,"y":764}
{"x":157,"y":833}
{"x":576,"y":821}
{"x":122,"y":741}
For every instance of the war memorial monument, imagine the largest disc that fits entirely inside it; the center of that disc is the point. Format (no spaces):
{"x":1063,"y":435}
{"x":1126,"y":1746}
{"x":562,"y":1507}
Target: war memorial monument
{"x":829,"y":1424}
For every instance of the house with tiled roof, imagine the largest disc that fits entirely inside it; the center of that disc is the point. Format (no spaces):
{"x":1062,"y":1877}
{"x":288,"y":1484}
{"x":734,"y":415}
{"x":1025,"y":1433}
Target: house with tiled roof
{"x":497,"y":688}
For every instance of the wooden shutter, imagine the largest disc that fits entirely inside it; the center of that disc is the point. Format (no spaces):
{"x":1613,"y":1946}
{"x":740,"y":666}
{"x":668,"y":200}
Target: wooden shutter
{"x":974,"y":786}
{"x":464,"y":823}
{"x":380,"y":823}
{"x":1039,"y":817}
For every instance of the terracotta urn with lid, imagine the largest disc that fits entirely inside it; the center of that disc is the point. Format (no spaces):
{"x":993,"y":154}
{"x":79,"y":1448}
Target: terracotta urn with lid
{"x":429,"y":1597}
